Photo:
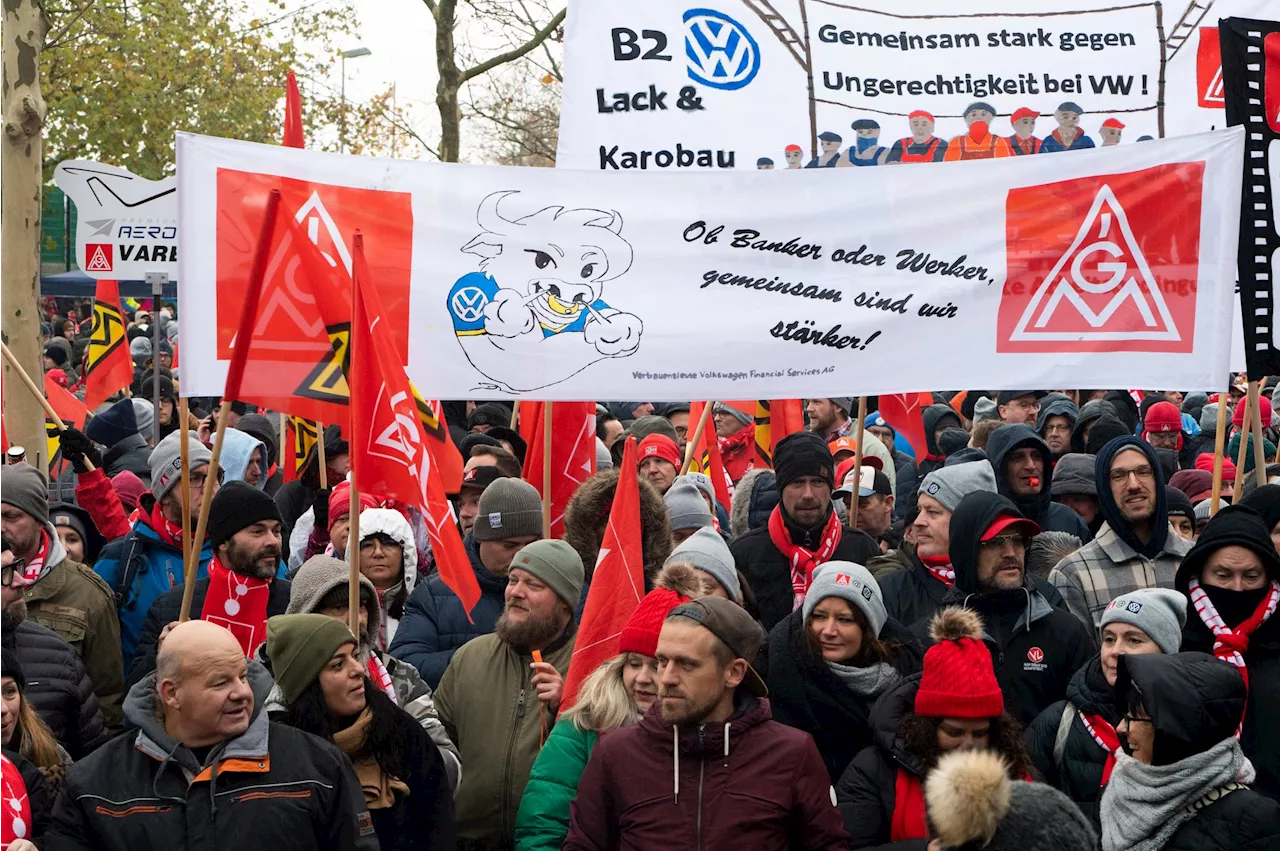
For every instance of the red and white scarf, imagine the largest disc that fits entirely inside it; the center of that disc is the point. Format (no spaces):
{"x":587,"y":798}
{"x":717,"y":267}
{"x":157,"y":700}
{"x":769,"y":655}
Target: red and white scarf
{"x":380,"y":676}
{"x":1229,"y":644}
{"x":801,"y":561}
{"x":170,"y":533}
{"x":1105,"y":735}
{"x":941,"y":569}
{"x":238,"y":603}
{"x":35,"y":564}
{"x":15,"y":808}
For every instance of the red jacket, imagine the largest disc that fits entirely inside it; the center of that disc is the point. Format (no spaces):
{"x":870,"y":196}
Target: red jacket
{"x":739,"y":453}
{"x":766,"y":788}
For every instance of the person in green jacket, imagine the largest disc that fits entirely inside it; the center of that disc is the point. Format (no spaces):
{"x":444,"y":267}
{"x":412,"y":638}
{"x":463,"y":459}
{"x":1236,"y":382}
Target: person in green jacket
{"x":616,"y":694}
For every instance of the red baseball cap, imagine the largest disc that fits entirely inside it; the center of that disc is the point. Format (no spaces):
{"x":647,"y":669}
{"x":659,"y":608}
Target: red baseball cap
{"x":1004,"y":521}
{"x":919,"y":113}
{"x":660,"y":446}
{"x":1113,"y":122}
{"x":1023,"y":112}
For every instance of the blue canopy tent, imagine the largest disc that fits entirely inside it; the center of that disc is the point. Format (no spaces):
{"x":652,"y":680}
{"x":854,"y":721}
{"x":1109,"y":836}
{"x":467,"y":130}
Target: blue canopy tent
{"x":76,"y":284}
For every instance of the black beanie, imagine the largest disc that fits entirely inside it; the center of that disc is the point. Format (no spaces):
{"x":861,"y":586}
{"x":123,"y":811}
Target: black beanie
{"x":236,"y":506}
{"x":1179,"y":504}
{"x":56,"y":354}
{"x":1235,"y":525}
{"x":1105,"y":429}
{"x":803,"y":454}
{"x":952,"y":440}
{"x":10,"y":667}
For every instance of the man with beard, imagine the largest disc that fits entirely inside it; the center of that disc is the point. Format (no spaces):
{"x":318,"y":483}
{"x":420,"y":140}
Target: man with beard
{"x":1020,"y":458}
{"x":245,"y":585}
{"x":829,"y":418}
{"x":1232,"y":581}
{"x":1036,"y":647}
{"x":500,"y":694}
{"x":708,"y":760}
{"x":1135,"y":547}
{"x":803,"y":530}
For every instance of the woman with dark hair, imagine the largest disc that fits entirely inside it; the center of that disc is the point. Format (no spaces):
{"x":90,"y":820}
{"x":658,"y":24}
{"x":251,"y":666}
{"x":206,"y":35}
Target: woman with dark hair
{"x":827,"y":663}
{"x":954,"y":703}
{"x":327,"y":692}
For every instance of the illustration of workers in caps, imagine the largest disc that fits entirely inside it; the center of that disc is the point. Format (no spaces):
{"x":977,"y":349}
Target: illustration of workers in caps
{"x":866,"y":149}
{"x":830,"y":156}
{"x":764,"y":164}
{"x":1110,"y":132}
{"x":979,"y":143}
{"x":794,"y":155}
{"x":921,"y":146}
{"x":534,"y":314}
{"x":1068,"y":136}
{"x":1023,"y":141}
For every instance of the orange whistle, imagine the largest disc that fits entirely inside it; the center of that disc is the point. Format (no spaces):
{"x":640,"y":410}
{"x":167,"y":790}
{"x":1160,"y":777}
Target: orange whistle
{"x":537,"y":656}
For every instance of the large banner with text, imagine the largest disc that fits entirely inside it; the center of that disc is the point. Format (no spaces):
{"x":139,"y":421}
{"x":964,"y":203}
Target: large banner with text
{"x":1109,"y":269}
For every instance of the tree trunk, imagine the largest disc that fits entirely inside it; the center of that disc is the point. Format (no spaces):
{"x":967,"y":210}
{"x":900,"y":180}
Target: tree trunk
{"x":25,"y":27}
{"x":450,"y":82}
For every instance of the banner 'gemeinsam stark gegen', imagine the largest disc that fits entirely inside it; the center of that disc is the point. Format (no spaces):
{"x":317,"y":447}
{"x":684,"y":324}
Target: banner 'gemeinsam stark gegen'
{"x":1112,"y":268}
{"x":785,"y":84}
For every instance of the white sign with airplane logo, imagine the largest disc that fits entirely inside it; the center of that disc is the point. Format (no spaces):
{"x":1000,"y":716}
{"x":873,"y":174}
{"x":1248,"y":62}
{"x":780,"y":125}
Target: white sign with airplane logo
{"x":127,"y":225}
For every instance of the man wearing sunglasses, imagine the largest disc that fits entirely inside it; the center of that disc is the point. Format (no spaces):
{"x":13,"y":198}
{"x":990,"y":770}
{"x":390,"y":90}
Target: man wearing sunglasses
{"x":1036,"y":648}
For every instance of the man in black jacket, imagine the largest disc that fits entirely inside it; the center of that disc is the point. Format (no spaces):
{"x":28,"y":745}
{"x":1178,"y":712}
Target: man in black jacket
{"x":1036,"y":648}
{"x":1020,"y":458}
{"x":207,"y":769}
{"x":244,"y":531}
{"x":803,"y":532}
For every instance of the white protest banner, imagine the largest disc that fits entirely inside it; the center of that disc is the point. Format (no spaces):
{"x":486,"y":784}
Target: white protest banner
{"x":727,"y":83}
{"x":1112,"y":268}
{"x":126,"y":225}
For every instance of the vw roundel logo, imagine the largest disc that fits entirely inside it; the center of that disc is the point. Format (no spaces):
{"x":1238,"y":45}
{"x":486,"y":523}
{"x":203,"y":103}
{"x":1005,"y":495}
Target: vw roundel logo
{"x":468,"y":304}
{"x":720,"y":52}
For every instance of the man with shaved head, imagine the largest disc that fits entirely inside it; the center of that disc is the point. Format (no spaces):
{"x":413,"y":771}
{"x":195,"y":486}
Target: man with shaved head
{"x":206,"y":767}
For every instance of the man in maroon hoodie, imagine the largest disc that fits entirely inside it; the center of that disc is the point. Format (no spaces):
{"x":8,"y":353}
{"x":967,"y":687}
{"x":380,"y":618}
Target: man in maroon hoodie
{"x":707,"y":767}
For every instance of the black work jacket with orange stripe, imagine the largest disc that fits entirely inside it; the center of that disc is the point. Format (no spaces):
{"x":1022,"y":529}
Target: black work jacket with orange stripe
{"x":270,"y":787}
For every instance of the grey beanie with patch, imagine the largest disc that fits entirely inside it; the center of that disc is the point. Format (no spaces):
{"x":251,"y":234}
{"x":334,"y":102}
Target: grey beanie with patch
{"x":508,"y":508}
{"x":949,"y":485}
{"x":707,"y":551}
{"x":853,"y":583}
{"x":166,"y":461}
{"x":687,"y":507}
{"x":1159,"y":612}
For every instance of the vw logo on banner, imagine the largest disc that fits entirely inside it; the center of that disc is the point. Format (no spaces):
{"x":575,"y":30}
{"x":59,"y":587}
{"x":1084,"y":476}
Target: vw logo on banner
{"x":720,"y":51}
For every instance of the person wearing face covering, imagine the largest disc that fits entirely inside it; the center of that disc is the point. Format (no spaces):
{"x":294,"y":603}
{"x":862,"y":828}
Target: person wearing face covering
{"x":1021,"y":460}
{"x":1181,"y":781}
{"x":1232,"y":580}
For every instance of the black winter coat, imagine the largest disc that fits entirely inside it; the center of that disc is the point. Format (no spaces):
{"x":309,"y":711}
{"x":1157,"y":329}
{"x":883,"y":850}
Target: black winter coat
{"x":1243,"y":820}
{"x":867,"y":791}
{"x":37,"y":793}
{"x":1079,"y":775}
{"x":422,"y":820}
{"x":132,"y":454}
{"x":769,"y":575}
{"x":168,"y":606}
{"x":805,"y":694}
{"x":1049,"y":515}
{"x":58,"y":687}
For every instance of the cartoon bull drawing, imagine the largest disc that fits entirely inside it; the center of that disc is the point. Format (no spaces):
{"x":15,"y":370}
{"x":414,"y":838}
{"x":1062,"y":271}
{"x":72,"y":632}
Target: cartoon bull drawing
{"x":534,"y":315}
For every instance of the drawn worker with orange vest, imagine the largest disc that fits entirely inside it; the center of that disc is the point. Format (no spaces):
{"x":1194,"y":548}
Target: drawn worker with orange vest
{"x":1023,"y":141}
{"x":922,"y":146}
{"x":979,"y":143}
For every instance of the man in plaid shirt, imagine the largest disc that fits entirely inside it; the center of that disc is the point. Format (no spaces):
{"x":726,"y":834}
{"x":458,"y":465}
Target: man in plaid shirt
{"x":1135,"y":548}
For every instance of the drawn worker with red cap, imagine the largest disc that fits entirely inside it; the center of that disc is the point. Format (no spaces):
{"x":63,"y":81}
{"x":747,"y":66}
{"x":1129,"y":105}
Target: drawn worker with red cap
{"x":1023,"y":141}
{"x":1110,"y":132}
{"x":794,"y":155}
{"x":922,"y":146}
{"x":659,"y":461}
{"x":979,"y":143}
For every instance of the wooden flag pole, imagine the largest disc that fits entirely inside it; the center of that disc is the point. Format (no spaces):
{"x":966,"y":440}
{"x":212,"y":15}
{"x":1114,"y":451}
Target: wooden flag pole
{"x":284,"y":438}
{"x":353,"y":559}
{"x":38,"y":394}
{"x":1246,"y":427}
{"x":857,"y":461}
{"x":1259,"y":453}
{"x":202,"y":524}
{"x":184,"y":452}
{"x":546,"y":470}
{"x":1219,"y":442}
{"x":515,"y":414}
{"x":692,"y":446}
{"x":324,"y":462}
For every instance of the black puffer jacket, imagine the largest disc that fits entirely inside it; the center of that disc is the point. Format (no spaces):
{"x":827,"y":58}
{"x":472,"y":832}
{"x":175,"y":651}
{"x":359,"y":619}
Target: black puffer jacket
{"x":132,"y":454}
{"x":1050,"y":516}
{"x":867,"y":791}
{"x":1079,"y":774}
{"x":805,"y":694}
{"x":38,"y":797}
{"x":58,"y":687}
{"x":769,"y":575}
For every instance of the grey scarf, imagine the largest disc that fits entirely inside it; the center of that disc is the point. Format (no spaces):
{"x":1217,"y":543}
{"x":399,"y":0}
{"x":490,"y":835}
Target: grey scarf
{"x":866,"y":682}
{"x":1144,"y":805}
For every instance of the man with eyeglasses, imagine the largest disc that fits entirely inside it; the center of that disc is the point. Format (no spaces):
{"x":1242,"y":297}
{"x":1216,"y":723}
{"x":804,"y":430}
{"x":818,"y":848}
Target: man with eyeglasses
{"x":147,"y":561}
{"x":1018,"y":407}
{"x":1036,"y":648}
{"x":1135,"y":546}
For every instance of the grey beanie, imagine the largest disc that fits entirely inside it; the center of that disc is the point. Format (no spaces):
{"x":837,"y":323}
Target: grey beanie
{"x":604,"y":460}
{"x":1073,"y":474}
{"x":319,"y":575}
{"x":701,"y":481}
{"x":166,"y":461}
{"x":985,"y":409}
{"x":1203,"y":506}
{"x":949,"y":485}
{"x":737,"y":413}
{"x":707,"y":551}
{"x":22,"y":486}
{"x":555,"y":563}
{"x":1209,"y":418}
{"x":686,"y":507}
{"x":1159,"y":612}
{"x":144,"y":414}
{"x":509,"y":508}
{"x":851,"y":582}
{"x":845,"y":403}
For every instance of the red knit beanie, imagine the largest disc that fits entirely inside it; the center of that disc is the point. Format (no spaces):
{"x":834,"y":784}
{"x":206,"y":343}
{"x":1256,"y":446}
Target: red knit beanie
{"x":340,"y":502}
{"x":660,"y":446}
{"x":1237,"y":416}
{"x":958,"y":680}
{"x":1205,"y":462}
{"x":676,"y":584}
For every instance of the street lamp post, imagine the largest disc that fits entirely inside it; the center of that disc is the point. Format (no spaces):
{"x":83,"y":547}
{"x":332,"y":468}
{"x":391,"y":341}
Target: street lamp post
{"x":354,"y":53}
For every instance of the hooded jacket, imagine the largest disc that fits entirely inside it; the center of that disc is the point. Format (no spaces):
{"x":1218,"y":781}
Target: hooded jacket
{"x":1057,"y":405}
{"x":435,"y":623}
{"x":260,"y":427}
{"x":934,"y":418}
{"x":1035,"y":648}
{"x":587,"y":512}
{"x":754,"y":499}
{"x":1039,"y":507}
{"x":58,"y":687}
{"x":1260,"y":738}
{"x":748,"y":783}
{"x":237,"y":449}
{"x":270,"y":787}
{"x":805,"y":694}
{"x":1089,"y":414}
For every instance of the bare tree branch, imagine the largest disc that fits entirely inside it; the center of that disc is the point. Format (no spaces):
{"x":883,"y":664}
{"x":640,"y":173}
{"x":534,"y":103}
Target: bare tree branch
{"x":511,"y":55}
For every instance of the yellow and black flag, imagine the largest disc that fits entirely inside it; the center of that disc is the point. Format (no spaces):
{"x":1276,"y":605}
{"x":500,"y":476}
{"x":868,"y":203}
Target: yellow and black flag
{"x":300,"y":436}
{"x":108,"y":367}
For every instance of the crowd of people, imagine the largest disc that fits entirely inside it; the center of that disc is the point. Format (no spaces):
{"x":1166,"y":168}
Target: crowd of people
{"x":1036,"y":631}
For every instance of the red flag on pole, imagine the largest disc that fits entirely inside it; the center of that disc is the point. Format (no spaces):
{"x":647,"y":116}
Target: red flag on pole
{"x":293,"y":137}
{"x":573,"y":452}
{"x":391,"y":456}
{"x":617,"y":584}
{"x":706,"y":456}
{"x":904,"y":412}
{"x":108,"y":368}
{"x":70,"y":409}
